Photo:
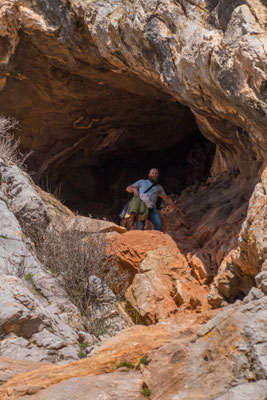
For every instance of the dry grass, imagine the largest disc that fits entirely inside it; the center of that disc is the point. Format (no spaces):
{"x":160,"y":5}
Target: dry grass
{"x":85,"y":268}
{"x":9,"y":146}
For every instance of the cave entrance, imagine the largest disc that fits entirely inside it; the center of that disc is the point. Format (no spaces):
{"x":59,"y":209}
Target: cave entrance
{"x":93,"y":130}
{"x":99,"y":190}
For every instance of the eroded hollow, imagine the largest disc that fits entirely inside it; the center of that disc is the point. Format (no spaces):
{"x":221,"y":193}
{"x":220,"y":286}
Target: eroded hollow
{"x":93,"y":130}
{"x":96,"y":186}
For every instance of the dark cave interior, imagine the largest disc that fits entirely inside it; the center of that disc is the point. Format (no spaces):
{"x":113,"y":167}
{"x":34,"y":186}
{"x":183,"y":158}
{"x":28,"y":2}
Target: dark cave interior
{"x":99,"y":191}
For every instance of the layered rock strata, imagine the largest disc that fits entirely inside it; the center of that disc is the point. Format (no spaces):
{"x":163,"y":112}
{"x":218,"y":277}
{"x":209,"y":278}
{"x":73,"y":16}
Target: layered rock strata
{"x":76,"y":64}
{"x":225,"y":358}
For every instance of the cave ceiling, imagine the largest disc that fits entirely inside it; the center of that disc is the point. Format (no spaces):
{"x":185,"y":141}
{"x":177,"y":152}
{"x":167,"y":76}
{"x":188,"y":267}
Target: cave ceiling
{"x":85,"y":109}
{"x":89,"y":81}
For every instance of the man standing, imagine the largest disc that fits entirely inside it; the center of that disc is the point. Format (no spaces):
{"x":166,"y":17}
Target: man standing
{"x":150,"y":189}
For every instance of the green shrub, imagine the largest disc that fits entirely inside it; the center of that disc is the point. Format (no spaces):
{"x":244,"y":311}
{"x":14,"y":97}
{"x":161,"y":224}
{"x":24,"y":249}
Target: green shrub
{"x":143,"y":360}
{"x":29,"y":278}
{"x":126,"y":364}
{"x":146,"y":392}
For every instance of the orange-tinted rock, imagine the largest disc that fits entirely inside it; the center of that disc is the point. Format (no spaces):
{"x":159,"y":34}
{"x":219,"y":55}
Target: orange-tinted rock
{"x":10,"y":367}
{"x":152,"y":291}
{"x":132,"y":247}
{"x":253,"y":236}
{"x":163,"y":284}
{"x":129,"y":345}
{"x":199,"y":269}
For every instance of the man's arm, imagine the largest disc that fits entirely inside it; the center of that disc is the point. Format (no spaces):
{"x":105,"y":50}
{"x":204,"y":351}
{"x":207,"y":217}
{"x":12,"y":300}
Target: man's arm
{"x":132,"y":189}
{"x":169,"y":201}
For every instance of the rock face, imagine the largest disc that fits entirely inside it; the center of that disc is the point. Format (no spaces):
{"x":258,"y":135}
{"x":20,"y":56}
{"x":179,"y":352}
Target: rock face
{"x":129,"y":345}
{"x":112,"y":76}
{"x":226,"y":354}
{"x":106,"y":86}
{"x":238,"y":269}
{"x":223,"y":359}
{"x":159,"y":277}
{"x":30,"y":330}
{"x":37,"y":321}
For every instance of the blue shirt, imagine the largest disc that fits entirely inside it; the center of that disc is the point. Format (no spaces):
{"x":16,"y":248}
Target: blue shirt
{"x":153,"y":193}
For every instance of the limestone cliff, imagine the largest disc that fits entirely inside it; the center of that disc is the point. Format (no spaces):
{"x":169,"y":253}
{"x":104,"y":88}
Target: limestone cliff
{"x":87,"y":79}
{"x":102,"y":91}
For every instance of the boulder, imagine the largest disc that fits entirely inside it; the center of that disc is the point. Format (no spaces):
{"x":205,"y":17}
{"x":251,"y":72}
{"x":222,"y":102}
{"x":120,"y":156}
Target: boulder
{"x":131,"y":248}
{"x":163,"y":285}
{"x":89,"y":225}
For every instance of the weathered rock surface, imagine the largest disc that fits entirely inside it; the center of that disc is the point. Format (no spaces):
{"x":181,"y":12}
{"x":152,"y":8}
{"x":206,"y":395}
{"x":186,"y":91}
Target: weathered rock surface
{"x":22,"y":198}
{"x":159,"y":277}
{"x":226,"y":354}
{"x":224,"y":359}
{"x":38,"y":321}
{"x":238,"y":269}
{"x":252,"y":240}
{"x":129,"y":345}
{"x":247,"y":391}
{"x":131,"y":248}
{"x":10,"y":367}
{"x":163,"y":285}
{"x":90,"y":225}
{"x":107,"y":386}
{"x":98,"y":80}
{"x":30,"y":330}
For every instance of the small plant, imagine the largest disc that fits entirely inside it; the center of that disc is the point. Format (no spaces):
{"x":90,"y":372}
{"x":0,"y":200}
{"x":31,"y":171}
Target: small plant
{"x":3,"y":237}
{"x":143,"y":361}
{"x":126,"y":364}
{"x":146,"y":392}
{"x":82,"y":354}
{"x":39,"y":291}
{"x":29,"y":278}
{"x":83,"y":346}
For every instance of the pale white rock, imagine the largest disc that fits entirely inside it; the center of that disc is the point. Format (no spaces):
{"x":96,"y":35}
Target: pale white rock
{"x":22,"y":198}
{"x":102,"y":387}
{"x":35,"y":333}
{"x":261,"y":281}
{"x":247,"y":391}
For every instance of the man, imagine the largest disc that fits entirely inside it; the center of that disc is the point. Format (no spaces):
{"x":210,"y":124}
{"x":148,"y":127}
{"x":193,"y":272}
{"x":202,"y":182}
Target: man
{"x":144,"y":187}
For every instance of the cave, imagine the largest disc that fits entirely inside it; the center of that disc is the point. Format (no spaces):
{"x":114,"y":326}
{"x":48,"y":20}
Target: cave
{"x":91,"y":131}
{"x":95,"y":185}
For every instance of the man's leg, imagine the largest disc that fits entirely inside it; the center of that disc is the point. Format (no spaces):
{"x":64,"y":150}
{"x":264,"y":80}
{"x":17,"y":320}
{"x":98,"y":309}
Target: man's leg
{"x":154,"y":217}
{"x":140,"y":225}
